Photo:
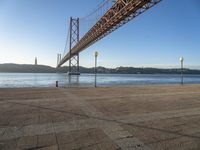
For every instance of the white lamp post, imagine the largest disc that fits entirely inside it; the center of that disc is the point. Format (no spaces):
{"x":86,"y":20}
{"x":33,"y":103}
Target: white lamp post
{"x":181,"y":61}
{"x":95,"y":69}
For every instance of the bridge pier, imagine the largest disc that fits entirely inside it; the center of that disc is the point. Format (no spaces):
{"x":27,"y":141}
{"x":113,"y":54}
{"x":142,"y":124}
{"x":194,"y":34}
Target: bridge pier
{"x":74,"y":39}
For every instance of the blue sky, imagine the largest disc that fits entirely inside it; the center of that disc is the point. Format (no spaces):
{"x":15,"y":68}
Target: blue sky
{"x":157,"y":38}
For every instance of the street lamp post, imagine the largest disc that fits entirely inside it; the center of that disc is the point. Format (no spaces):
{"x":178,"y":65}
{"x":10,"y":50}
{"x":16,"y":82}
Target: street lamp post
{"x":95,"y":69}
{"x":181,"y":60}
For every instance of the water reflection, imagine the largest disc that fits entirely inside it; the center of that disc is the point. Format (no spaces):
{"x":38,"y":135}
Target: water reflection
{"x":73,"y":80}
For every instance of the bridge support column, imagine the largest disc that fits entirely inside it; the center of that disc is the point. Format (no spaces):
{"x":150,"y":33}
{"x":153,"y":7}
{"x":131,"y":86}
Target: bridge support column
{"x":74,"y":39}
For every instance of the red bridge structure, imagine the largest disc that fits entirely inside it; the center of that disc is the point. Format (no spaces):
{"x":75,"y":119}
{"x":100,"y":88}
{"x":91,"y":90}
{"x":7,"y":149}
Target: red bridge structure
{"x":109,"y":16}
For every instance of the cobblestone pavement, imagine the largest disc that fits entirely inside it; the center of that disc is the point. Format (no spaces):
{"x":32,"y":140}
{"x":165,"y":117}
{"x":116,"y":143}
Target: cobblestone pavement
{"x":156,"y":117}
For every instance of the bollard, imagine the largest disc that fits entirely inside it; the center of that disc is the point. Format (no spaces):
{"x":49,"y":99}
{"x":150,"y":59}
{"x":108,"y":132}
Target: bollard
{"x":56,"y":83}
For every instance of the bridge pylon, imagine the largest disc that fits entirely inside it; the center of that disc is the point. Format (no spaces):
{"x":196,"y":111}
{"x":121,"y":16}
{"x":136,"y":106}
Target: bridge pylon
{"x":74,"y":39}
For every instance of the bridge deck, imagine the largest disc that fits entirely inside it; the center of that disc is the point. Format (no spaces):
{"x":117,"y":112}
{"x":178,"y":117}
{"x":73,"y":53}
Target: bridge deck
{"x":119,"y":14}
{"x":143,"y":117}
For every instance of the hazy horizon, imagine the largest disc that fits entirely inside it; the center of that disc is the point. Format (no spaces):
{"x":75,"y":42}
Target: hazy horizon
{"x":134,"y":66}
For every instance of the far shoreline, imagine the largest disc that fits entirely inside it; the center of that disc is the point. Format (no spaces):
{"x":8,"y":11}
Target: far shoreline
{"x":27,"y":68}
{"x":99,"y":73}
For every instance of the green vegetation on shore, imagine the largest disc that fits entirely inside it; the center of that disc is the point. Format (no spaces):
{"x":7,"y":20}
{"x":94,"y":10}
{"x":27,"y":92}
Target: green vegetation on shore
{"x":18,"y":68}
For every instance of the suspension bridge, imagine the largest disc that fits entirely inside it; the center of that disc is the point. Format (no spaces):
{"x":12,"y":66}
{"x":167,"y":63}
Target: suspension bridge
{"x":106,"y":18}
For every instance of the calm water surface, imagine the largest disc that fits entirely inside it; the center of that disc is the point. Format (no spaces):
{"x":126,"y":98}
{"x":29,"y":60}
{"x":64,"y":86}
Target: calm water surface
{"x":11,"y":80}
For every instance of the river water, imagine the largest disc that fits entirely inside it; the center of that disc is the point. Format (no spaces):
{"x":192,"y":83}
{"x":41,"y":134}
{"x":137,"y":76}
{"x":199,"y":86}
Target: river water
{"x":11,"y":80}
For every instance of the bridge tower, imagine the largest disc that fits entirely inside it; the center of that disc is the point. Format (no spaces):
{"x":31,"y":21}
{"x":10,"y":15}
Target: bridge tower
{"x":73,"y":40}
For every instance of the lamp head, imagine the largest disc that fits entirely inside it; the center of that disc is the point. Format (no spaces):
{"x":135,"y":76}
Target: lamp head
{"x":181,"y":59}
{"x":96,"y":53}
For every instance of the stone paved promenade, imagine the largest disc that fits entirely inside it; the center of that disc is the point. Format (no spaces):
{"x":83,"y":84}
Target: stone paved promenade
{"x":108,"y":118}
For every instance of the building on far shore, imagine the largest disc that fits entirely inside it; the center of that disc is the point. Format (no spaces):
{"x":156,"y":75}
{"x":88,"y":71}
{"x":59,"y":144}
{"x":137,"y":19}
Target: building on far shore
{"x":35,"y":60}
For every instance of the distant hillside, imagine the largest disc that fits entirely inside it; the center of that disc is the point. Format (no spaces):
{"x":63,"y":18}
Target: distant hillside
{"x":26,"y":68}
{"x":16,"y":68}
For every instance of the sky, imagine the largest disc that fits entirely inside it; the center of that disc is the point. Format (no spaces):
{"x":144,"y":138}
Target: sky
{"x":157,"y":38}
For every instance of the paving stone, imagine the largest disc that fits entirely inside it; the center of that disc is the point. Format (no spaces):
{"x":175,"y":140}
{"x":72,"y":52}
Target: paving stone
{"x":162,"y":117}
{"x":9,"y":144}
{"x":27,"y":142}
{"x":46,"y":140}
{"x":49,"y":148}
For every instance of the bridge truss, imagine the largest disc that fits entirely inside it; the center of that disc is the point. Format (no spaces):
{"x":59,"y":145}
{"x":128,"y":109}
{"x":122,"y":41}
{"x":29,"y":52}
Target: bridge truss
{"x":121,"y":12}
